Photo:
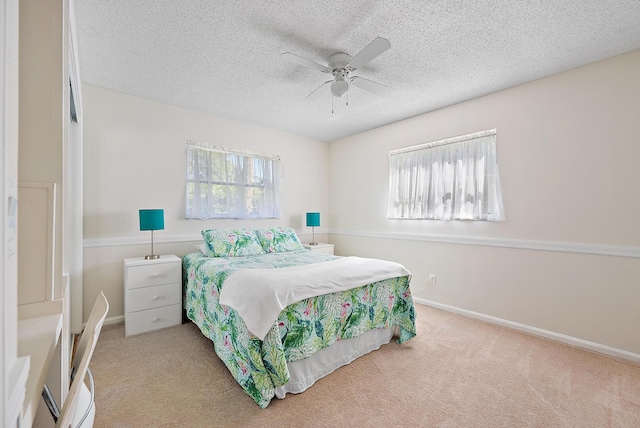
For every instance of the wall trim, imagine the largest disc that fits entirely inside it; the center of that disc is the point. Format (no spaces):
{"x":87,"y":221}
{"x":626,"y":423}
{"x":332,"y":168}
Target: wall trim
{"x":523,"y":244}
{"x":162,"y":239}
{"x":142,"y":240}
{"x":558,"y":337}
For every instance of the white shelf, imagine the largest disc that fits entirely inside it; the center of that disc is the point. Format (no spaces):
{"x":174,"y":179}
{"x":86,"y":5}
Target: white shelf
{"x":38,"y":338}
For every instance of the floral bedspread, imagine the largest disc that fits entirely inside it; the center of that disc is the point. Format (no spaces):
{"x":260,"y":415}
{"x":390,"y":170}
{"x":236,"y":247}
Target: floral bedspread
{"x":302,"y":329}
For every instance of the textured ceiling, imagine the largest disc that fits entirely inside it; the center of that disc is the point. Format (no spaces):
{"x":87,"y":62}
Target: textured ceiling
{"x":223,"y":57}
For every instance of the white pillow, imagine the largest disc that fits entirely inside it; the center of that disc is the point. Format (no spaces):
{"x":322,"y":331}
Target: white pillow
{"x":202,"y":248}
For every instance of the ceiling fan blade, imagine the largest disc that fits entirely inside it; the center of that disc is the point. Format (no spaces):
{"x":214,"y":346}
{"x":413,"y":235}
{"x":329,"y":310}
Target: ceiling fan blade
{"x":372,"y":50}
{"x":318,"y":91}
{"x":295,"y":59}
{"x":370,"y":85}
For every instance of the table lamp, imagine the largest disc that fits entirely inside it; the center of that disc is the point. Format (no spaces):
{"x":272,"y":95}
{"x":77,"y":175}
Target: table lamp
{"x":151,"y":220}
{"x":313,"y":220}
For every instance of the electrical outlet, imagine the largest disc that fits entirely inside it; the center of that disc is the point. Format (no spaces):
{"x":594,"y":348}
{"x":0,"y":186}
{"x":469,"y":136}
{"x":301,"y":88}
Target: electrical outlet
{"x":432,"y":279}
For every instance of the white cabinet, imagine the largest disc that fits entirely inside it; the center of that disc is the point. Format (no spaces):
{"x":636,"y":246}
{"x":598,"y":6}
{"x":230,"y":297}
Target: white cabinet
{"x":320,"y":248}
{"x":152,"y":294}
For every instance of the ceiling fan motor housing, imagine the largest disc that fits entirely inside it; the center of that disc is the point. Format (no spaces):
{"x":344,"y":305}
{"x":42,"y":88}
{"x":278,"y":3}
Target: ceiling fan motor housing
{"x":339,"y":60}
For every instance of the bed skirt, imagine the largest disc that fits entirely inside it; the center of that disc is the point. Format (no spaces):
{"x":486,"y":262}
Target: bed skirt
{"x":304,"y":373}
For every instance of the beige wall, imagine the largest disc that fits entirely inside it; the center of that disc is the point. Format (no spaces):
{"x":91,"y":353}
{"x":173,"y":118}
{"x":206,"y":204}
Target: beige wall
{"x":43,"y":117}
{"x":568,"y":152}
{"x":134,"y":157}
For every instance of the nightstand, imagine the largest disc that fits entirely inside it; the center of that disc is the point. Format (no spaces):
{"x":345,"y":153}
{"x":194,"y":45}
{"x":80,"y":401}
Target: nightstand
{"x":320,"y":248}
{"x":152,"y":294}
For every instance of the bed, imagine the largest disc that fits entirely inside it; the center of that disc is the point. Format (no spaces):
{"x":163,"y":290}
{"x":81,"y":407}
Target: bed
{"x":280,"y":316}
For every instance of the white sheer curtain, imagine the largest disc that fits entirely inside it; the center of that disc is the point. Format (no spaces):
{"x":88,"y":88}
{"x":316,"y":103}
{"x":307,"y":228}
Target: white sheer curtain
{"x":223,"y":183}
{"x":454,"y":179}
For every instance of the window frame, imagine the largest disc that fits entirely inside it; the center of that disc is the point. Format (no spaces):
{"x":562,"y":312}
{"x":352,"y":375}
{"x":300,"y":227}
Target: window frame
{"x":449,"y":179}
{"x":234,"y":186}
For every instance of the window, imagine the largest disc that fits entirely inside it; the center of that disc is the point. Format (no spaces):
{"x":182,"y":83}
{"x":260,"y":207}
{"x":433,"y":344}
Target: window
{"x":452,"y":179}
{"x":224,"y":183}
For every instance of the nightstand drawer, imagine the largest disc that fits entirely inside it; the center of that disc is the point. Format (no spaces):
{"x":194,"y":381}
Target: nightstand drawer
{"x":140,"y":299}
{"x":152,"y":274}
{"x":152,"y":319}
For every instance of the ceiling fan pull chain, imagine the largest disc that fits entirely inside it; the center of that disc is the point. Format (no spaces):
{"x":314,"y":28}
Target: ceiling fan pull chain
{"x":331,"y":104}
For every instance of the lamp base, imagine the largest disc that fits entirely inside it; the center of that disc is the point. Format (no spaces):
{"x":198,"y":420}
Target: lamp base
{"x":152,"y":257}
{"x":313,"y":243}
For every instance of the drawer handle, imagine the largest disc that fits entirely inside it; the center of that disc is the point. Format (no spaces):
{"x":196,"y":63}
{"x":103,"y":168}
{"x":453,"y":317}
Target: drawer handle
{"x":155,"y":275}
{"x":155,"y":319}
{"x":154,"y":298}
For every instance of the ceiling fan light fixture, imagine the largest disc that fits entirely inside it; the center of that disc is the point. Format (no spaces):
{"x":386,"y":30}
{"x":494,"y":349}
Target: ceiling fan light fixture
{"x":341,"y":65}
{"x":339,"y":88}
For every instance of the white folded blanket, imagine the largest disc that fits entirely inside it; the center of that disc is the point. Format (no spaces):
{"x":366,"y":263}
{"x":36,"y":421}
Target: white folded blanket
{"x":259,"y":295}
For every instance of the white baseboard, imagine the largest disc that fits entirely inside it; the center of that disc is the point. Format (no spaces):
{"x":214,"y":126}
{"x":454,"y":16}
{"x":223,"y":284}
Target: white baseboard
{"x":569,"y":340}
{"x":573,"y":341}
{"x":114,"y":320}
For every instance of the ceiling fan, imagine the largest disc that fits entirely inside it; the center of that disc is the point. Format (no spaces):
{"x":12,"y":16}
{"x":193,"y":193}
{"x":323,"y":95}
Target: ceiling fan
{"x":341,"y":65}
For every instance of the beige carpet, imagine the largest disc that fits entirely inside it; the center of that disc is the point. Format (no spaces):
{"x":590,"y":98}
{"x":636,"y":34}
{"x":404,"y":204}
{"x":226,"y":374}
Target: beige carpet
{"x":457,"y":372}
